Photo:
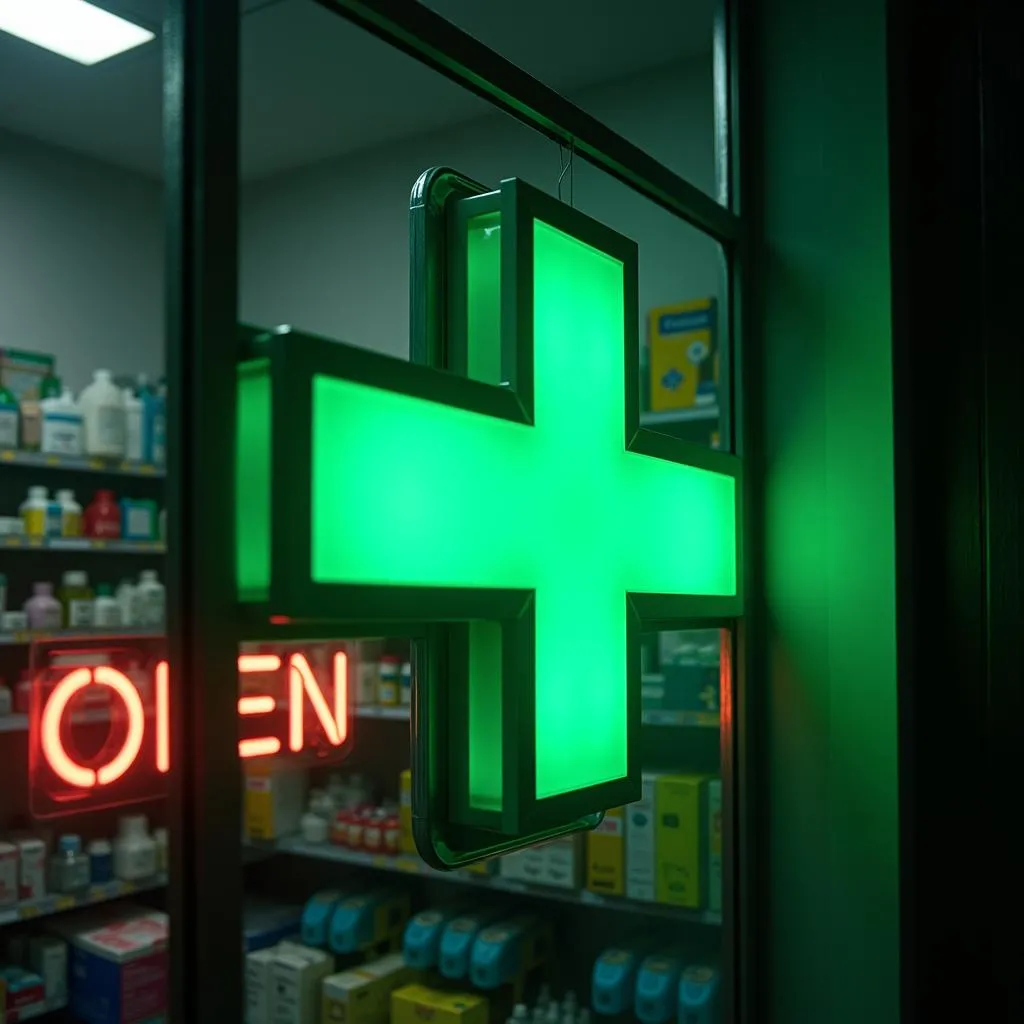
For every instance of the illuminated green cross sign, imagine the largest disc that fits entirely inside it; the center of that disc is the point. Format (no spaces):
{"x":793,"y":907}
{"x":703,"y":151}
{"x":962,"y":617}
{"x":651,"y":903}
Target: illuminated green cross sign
{"x":535,"y":520}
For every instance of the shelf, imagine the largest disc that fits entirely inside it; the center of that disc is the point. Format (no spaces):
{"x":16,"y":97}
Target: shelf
{"x":18,"y":722}
{"x":399,"y":714}
{"x":409,"y":864}
{"x":699,"y":414}
{"x":79,"y":463}
{"x":28,"y":910}
{"x":28,"y":636}
{"x":110,"y":547}
{"x":681,"y":719}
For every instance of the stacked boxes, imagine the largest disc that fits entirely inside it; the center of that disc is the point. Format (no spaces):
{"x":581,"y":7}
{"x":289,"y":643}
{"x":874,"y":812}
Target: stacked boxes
{"x":666,"y":847}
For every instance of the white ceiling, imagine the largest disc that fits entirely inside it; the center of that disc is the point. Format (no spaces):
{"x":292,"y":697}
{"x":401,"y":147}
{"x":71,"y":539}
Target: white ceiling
{"x":315,"y":87}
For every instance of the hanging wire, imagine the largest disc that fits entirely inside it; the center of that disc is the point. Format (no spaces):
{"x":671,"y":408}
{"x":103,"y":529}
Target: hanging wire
{"x":565,"y":166}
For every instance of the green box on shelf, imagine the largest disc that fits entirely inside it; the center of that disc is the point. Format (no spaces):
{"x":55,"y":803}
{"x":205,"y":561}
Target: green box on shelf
{"x":21,"y":372}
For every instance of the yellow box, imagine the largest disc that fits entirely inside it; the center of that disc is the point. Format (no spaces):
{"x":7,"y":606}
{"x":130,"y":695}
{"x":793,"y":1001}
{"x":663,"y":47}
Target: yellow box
{"x":606,"y":855}
{"x":682,"y":350}
{"x":680,"y":840}
{"x":363,"y":995}
{"x":405,"y":811}
{"x":275,"y":796}
{"x":415,"y":1004}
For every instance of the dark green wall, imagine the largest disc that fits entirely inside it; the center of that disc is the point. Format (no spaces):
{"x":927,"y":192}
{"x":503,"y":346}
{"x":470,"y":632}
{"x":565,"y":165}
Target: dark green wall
{"x":825,"y":447}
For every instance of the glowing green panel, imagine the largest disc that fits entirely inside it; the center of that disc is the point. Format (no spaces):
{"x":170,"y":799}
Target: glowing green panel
{"x":485,"y":740}
{"x":483,"y":297}
{"x":560,"y":507}
{"x":252,"y":480}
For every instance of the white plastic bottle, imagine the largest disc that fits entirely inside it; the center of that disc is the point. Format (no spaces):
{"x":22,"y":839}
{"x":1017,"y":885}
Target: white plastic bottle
{"x":106,"y":610}
{"x":34,"y":510}
{"x":151,"y":598}
{"x":134,"y":849}
{"x":61,"y":425}
{"x":125,"y":597}
{"x":103,"y":416}
{"x":70,"y":514}
{"x":133,"y":434}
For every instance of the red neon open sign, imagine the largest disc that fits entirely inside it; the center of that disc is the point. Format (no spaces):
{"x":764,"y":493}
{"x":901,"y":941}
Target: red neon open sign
{"x":99,"y":732}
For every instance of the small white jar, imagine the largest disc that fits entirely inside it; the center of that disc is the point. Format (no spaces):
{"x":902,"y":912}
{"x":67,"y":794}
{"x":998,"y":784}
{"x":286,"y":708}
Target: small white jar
{"x":134,"y":849}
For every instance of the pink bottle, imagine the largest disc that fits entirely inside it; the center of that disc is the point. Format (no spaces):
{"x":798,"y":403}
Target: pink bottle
{"x":43,"y":609}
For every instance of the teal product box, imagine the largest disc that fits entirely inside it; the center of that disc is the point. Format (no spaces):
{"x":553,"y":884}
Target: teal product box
{"x":138,"y":519}
{"x":421,"y":942}
{"x":613,"y":983}
{"x":265,"y":923}
{"x":501,"y":953}
{"x":365,"y":920}
{"x":657,"y":989}
{"x":457,"y":943}
{"x":26,"y":997}
{"x":700,"y":995}
{"x":316,"y":917}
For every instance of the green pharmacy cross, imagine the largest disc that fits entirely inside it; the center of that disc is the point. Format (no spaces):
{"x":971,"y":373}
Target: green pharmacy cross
{"x":500,"y":500}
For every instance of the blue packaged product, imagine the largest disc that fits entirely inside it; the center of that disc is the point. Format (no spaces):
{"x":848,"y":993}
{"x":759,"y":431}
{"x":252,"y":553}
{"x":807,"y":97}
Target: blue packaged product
{"x":316,"y":917}
{"x":500,"y":952}
{"x":266,"y":923}
{"x":421,"y":941}
{"x":154,"y":427}
{"x":699,"y":994}
{"x":457,"y":942}
{"x":613,"y":983}
{"x":367,"y":919}
{"x":657,"y":989}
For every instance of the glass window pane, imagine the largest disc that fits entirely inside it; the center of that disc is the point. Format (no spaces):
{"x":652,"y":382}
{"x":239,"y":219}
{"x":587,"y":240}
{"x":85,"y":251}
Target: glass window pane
{"x":325,"y":248}
{"x":644,"y":69}
{"x":85,"y":822}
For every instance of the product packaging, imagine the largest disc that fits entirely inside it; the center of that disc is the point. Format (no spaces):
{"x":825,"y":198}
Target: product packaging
{"x":119,"y":967}
{"x":640,"y":830}
{"x":275,"y":795}
{"x":31,"y":869}
{"x":296,"y":983}
{"x":9,"y":419}
{"x":61,"y":429}
{"x":414,"y":1004}
{"x":682,"y":355}
{"x":681,"y":840}
{"x":8,"y":874}
{"x":103,"y":417}
{"x":102,"y":518}
{"x":606,"y":860}
{"x":48,"y":957}
{"x":362,"y":995}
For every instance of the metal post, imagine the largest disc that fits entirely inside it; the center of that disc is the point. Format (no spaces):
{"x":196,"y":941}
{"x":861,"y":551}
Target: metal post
{"x":201,"y":69}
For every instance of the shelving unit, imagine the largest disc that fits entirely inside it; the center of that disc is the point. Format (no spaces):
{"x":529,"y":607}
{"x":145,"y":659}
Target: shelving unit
{"x":410,"y":865}
{"x":79,"y":544}
{"x":29,"y":910}
{"x":78,"y":464}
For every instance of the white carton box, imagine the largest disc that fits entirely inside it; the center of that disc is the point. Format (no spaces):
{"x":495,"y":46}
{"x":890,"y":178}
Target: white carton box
{"x":640,"y":846}
{"x":715,"y":846}
{"x":258,"y":985}
{"x":8,"y":874}
{"x":563,"y":863}
{"x":524,"y":865}
{"x":48,"y":957}
{"x":296,"y":986}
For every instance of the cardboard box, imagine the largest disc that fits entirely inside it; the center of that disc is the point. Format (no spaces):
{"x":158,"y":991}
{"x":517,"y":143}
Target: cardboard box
{"x":681,"y":843}
{"x":363,"y":995}
{"x":119,"y":968}
{"x":23,"y":994}
{"x":606,"y":856}
{"x":296,"y":978}
{"x":715,"y":846}
{"x":563,"y":863}
{"x":48,"y":957}
{"x":682,"y":355}
{"x":258,"y":985}
{"x":640,"y":830}
{"x":22,"y":372}
{"x":415,"y":1004}
{"x":275,"y":797}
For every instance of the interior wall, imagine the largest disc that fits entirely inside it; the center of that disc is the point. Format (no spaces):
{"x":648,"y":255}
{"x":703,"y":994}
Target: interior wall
{"x":826,"y":533}
{"x":327,"y":248}
{"x":81,"y":261}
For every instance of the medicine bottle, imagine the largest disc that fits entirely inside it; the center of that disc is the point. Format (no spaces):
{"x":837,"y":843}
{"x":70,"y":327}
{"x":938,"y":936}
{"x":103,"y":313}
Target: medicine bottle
{"x":69,"y":866}
{"x":134,"y":849}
